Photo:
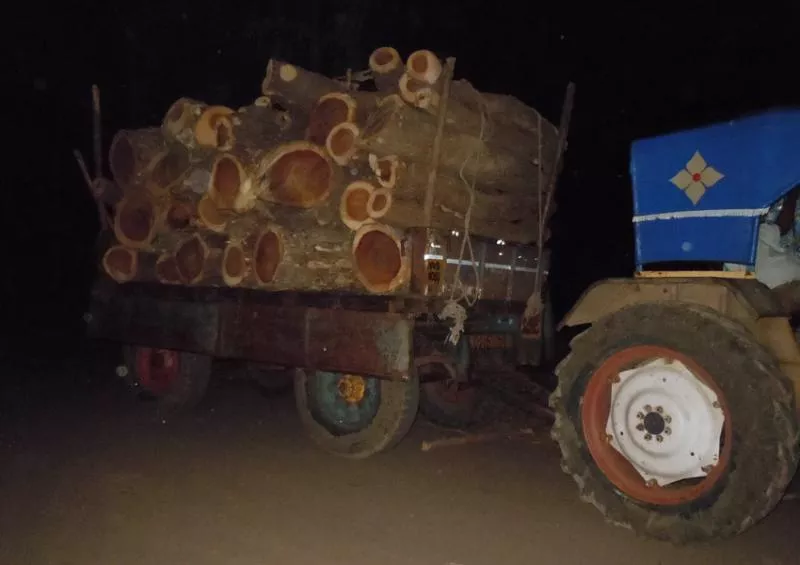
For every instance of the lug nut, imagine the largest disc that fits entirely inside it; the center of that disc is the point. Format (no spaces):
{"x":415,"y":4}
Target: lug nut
{"x":648,"y":437}
{"x":659,"y":439}
{"x":668,"y":419}
{"x":659,"y":409}
{"x":648,"y":408}
{"x":640,"y":416}
{"x":640,"y":427}
{"x":667,"y":431}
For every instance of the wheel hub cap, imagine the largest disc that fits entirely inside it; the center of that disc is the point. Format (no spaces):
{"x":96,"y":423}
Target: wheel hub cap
{"x":352,"y":388}
{"x":665,"y":422}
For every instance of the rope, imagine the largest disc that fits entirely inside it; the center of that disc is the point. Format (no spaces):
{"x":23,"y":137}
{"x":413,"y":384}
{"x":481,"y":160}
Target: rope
{"x":452,"y":309}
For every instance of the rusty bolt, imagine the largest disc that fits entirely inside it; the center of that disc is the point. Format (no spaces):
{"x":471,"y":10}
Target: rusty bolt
{"x":609,"y":438}
{"x":707,"y":468}
{"x":659,"y":438}
{"x":716,"y":404}
{"x":614,"y":379}
{"x":668,"y":419}
{"x":659,"y":409}
{"x":651,"y":483}
{"x":647,"y":437}
{"x":667,"y":431}
{"x":640,"y":416}
{"x":648,"y":408}
{"x":640,"y":427}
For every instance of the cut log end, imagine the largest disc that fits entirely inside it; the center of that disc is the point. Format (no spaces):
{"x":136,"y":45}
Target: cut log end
{"x":297,"y":174}
{"x":378,"y":258}
{"x":267,"y":256}
{"x":190,"y":258}
{"x":341,"y":142}
{"x":417,"y":93}
{"x":122,"y":159}
{"x":135,"y":222}
{"x":120,"y":263}
{"x":354,"y":206}
{"x":424,"y":66}
{"x":385,"y":169}
{"x":227,"y":177}
{"x":384,"y":60}
{"x":182,"y":113}
{"x":330,"y":110}
{"x":214,"y":128}
{"x":379,"y":203}
{"x":210,"y":215}
{"x":234,"y":266}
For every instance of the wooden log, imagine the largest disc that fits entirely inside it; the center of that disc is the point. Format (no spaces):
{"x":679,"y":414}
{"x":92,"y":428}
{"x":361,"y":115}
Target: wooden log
{"x":120,"y":263}
{"x":302,"y":87}
{"x":167,"y":170}
{"x":354,"y":204}
{"x":494,"y":215}
{"x":136,"y":221}
{"x":329,"y":111}
{"x":424,"y":66}
{"x":342,"y":142}
{"x":197,"y":124}
{"x":130,"y":153}
{"x":379,"y":260}
{"x":385,"y":169}
{"x":297,"y":174}
{"x":418,"y":93}
{"x":380,"y":202}
{"x":387,"y":68}
{"x":502,"y":162}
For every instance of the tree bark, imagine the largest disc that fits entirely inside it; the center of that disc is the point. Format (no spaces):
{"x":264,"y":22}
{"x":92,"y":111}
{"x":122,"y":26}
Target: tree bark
{"x":501,"y":161}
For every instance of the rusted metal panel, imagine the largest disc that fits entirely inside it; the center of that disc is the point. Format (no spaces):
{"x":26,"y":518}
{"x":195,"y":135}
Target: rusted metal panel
{"x":743,"y":300}
{"x":359,"y":342}
{"x":258,"y":326}
{"x":137,"y":318}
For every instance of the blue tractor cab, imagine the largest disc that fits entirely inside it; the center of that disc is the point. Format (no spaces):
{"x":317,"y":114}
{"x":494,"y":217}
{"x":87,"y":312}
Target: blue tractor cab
{"x":700,"y":194}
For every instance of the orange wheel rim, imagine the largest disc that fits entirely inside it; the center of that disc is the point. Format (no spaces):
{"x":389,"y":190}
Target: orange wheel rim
{"x":596,"y":408}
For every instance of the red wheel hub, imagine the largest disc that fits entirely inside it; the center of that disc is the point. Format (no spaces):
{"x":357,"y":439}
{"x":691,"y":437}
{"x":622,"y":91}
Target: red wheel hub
{"x":595,"y":410}
{"x":157,"y":369}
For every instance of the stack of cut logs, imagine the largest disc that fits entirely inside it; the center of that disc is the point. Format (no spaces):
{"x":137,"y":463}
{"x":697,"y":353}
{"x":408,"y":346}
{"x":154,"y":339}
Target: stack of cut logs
{"x":312,"y":185}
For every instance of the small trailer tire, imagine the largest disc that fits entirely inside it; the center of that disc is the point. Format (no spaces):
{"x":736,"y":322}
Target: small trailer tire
{"x":175,"y":379}
{"x":354,"y":416}
{"x":647,"y":367}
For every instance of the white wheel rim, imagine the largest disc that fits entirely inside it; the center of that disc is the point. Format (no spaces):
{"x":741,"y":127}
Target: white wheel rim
{"x":665,"y":421}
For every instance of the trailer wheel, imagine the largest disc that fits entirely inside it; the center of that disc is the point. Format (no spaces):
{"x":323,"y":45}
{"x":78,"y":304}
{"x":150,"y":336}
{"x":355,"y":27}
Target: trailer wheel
{"x":675,"y":422}
{"x":355,"y":416}
{"x":176,"y":379}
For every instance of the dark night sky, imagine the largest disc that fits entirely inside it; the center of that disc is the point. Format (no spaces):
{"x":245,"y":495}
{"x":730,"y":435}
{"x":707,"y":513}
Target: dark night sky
{"x":638,"y":72}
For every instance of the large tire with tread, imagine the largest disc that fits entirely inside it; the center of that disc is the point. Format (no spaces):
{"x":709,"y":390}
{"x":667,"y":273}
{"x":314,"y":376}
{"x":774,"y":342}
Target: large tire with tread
{"x":375,"y":423}
{"x":763,"y":452}
{"x":450,"y":404}
{"x":182,"y":387}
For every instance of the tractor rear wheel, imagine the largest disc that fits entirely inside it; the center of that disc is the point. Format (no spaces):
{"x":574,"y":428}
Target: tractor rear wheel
{"x":352,"y":415}
{"x":675,"y":422}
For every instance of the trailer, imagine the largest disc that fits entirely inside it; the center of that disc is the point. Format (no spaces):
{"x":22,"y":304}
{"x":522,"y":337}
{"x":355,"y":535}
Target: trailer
{"x":381,"y":239}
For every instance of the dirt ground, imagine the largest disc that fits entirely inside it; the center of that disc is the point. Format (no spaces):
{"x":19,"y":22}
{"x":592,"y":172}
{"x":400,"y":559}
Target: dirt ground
{"x":87,"y":476}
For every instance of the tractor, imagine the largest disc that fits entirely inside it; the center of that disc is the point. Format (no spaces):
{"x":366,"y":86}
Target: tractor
{"x":676,"y":409}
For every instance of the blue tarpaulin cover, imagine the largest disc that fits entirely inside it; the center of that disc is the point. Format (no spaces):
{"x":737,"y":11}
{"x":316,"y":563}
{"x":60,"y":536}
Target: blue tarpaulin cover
{"x":699,"y":194}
